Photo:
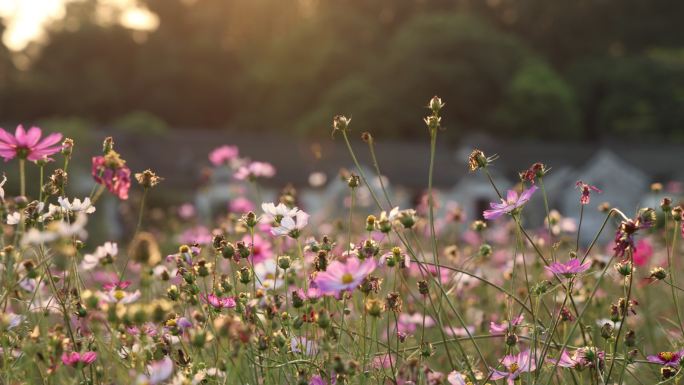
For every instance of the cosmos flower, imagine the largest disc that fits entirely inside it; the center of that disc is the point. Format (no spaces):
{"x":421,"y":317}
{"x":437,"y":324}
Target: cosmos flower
{"x":108,"y":250}
{"x":219,"y":303}
{"x":569,"y":268}
{"x":2,"y":190}
{"x":261,"y":249}
{"x":275,"y":213}
{"x":78,"y":359}
{"x":456,"y":378}
{"x":503,"y":327}
{"x":111,"y":171}
{"x":304,"y":346}
{"x":27,"y":145}
{"x":344,"y":276}
{"x":643,"y":252}
{"x":158,"y":372}
{"x":223,"y":155}
{"x":291,"y":225}
{"x":513,"y":202}
{"x":515,"y":365}
{"x":586,"y":190}
{"x":77,"y":205}
{"x":267,"y":274}
{"x":667,"y":358}
{"x":584,"y":357}
{"x":255,"y":170}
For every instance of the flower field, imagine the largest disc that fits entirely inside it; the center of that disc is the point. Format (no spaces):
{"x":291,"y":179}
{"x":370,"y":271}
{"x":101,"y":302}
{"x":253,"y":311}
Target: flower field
{"x":391,"y":295}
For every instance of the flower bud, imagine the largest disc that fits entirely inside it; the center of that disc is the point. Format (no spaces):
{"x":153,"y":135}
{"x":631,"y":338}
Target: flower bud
{"x":284,"y":262}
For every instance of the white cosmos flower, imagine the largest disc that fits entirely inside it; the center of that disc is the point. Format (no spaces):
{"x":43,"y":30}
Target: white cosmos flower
{"x":109,"y":249}
{"x":2,"y":190}
{"x":14,"y":218}
{"x":292,"y":225}
{"x":273,"y":213}
{"x":77,"y":205}
{"x":159,"y":371}
{"x":267,"y":274}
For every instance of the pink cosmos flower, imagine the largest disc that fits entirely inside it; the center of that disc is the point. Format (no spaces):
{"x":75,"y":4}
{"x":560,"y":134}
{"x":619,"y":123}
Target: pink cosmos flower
{"x":223,"y":155}
{"x":240,"y":205}
{"x":261,"y":249}
{"x":667,"y":358}
{"x":586,"y":190}
{"x":501,"y":328}
{"x":255,"y":170}
{"x":643,"y":252}
{"x":344,"y":276}
{"x":512,"y":202}
{"x":112,"y":172}
{"x":78,"y":359}
{"x":569,"y":268}
{"x":585,"y":357}
{"x":27,"y":145}
{"x":515,"y":365}
{"x":219,"y":303}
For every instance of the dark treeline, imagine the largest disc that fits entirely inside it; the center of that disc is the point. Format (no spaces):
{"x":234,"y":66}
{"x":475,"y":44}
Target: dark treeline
{"x":578,"y":70}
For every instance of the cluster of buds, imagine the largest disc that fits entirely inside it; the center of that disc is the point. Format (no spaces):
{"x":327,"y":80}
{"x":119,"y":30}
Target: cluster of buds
{"x":433,"y":121}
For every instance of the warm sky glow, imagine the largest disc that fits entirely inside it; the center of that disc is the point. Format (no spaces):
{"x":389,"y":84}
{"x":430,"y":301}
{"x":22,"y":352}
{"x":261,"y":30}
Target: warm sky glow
{"x":25,"y":18}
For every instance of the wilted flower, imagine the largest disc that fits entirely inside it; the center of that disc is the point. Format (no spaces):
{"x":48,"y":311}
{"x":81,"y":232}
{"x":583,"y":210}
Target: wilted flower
{"x":512,"y":203}
{"x":148,"y":178}
{"x":27,"y":145}
{"x":111,"y":171}
{"x":586,"y":190}
{"x":537,"y":170}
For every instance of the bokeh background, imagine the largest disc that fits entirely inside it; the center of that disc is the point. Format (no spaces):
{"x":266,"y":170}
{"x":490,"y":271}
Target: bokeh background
{"x":593,"y":88}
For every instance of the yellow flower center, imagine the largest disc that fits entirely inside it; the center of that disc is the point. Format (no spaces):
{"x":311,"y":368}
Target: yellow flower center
{"x":119,"y":295}
{"x":347,"y":278}
{"x":666,"y":356}
{"x":513,"y":368}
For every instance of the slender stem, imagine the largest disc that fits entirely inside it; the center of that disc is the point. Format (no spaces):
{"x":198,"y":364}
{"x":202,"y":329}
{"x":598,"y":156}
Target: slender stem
{"x":22,"y":177}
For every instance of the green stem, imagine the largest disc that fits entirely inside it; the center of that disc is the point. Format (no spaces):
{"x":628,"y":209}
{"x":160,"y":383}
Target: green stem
{"x":22,"y":177}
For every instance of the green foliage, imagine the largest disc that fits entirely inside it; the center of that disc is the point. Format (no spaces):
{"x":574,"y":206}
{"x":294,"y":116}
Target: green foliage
{"x":141,"y":123}
{"x":549,"y":69}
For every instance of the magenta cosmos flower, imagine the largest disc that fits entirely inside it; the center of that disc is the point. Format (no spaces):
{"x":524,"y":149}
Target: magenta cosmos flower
{"x":76,"y":358}
{"x":514,"y":365}
{"x":223,"y":155}
{"x":111,"y":171}
{"x":27,"y":145}
{"x":667,"y":358}
{"x":344,"y":276}
{"x":569,"y":268}
{"x":513,"y":202}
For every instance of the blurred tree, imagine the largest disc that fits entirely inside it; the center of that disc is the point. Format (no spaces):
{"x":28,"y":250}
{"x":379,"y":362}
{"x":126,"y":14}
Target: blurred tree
{"x":636,"y":97}
{"x":484,"y":76}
